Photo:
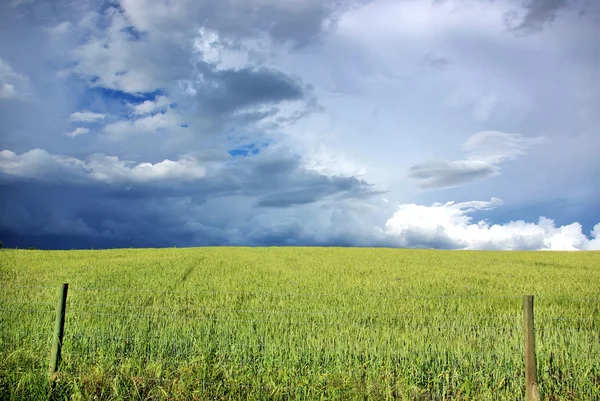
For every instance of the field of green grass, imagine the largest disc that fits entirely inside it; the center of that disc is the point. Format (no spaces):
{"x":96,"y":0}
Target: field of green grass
{"x":299,"y":323}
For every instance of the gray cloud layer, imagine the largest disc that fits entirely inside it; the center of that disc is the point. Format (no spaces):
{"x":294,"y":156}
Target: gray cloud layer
{"x":485,"y":151}
{"x":539,"y":14}
{"x":102,"y":191}
{"x":224,"y":92}
{"x":435,"y":175}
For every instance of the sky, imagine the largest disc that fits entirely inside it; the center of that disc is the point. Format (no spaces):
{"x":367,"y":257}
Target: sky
{"x":448,"y":124}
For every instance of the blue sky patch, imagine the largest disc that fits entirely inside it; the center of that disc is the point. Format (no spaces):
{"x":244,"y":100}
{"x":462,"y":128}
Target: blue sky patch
{"x":248,"y":150}
{"x":133,"y":34}
{"x":125,"y":97}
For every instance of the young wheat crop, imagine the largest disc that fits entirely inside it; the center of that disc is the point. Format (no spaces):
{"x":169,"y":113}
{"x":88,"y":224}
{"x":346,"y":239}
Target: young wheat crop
{"x":299,"y":323}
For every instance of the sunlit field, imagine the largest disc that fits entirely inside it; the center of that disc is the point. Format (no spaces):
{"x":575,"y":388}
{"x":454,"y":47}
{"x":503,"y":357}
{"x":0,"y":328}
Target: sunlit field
{"x":299,"y":323}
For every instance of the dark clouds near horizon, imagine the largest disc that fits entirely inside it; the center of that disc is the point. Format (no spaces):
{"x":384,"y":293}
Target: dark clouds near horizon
{"x":212,"y":210}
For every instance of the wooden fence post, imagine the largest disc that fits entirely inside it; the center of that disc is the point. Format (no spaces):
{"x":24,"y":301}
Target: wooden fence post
{"x":531,"y":384}
{"x":59,"y":330}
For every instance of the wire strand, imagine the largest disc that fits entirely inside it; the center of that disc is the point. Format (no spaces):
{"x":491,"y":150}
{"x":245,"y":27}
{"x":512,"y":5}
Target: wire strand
{"x":286,"y":294}
{"x":290,"y":312}
{"x":27,"y":310}
{"x":275,"y":294}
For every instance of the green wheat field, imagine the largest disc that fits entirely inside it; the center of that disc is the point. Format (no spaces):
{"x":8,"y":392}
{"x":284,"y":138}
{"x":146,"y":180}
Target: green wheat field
{"x":299,"y":323}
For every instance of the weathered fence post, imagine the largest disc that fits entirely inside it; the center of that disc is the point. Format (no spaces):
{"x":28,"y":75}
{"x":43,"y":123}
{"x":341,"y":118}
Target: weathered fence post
{"x":59,"y":330}
{"x":531,"y":384}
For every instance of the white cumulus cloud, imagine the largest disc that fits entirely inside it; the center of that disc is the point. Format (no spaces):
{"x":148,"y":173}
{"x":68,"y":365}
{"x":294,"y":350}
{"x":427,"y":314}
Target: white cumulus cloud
{"x":12,"y":84}
{"x":77,"y":131}
{"x":86,"y":117}
{"x":149,"y":106}
{"x":145,"y":125}
{"x":41,"y":165}
{"x":449,"y":226}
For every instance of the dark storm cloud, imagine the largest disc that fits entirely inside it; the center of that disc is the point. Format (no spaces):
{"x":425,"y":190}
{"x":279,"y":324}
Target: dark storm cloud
{"x":72,"y":216}
{"x":272,"y":171}
{"x":295,"y":22}
{"x":207,"y":211}
{"x":537,"y":15}
{"x":223,"y":92}
{"x":319,"y":187}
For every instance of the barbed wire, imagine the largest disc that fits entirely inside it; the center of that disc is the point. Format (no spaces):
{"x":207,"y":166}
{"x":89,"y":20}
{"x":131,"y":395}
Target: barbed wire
{"x":292,"y":294}
{"x":228,"y":353}
{"x":230,"y":347}
{"x":284,"y":294}
{"x":194,"y":338}
{"x":17,"y":346}
{"x":272,"y":294}
{"x":27,"y":302}
{"x":557,"y":318}
{"x":564,"y":297}
{"x":283,"y":322}
{"x":189,"y":340}
{"x":293,"y":312}
{"x":186,"y":309}
{"x":183,"y":313}
{"x":180,"y":341}
{"x":29,"y":286}
{"x":26,"y":310}
{"x":26,"y":332}
{"x":72,"y":340}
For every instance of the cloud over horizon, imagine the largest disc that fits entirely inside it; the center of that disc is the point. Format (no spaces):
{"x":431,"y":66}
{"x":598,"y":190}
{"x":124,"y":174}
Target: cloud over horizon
{"x":40,"y":165}
{"x":161,"y":123}
{"x":448,"y":226}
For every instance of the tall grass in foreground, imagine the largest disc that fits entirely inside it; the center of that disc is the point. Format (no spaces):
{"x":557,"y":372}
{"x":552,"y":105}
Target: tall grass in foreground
{"x":299,"y":323}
